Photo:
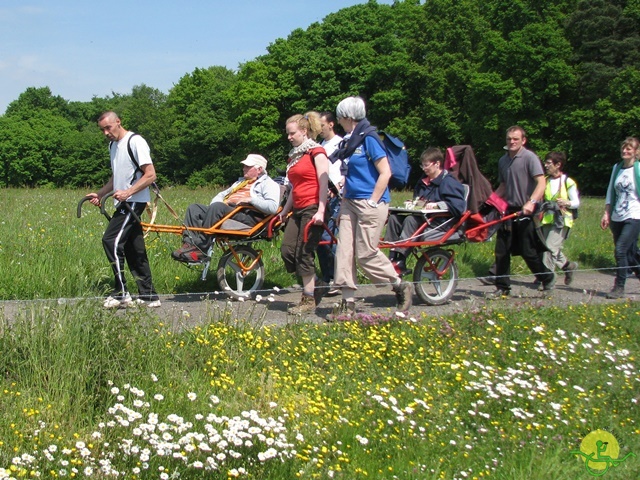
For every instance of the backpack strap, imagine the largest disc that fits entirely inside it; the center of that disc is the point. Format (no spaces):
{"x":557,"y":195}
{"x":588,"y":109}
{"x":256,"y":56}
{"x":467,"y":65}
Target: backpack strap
{"x":612,"y":181}
{"x":131,"y":156}
{"x":130,"y":151}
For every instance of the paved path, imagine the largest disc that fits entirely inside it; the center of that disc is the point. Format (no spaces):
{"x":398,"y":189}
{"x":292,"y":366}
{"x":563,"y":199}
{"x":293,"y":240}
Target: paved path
{"x":184,"y":311}
{"x":588,"y":287}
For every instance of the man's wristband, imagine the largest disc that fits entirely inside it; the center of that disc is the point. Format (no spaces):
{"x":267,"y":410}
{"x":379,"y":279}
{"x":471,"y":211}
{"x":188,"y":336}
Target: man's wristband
{"x":533,"y":201}
{"x":372,"y":203}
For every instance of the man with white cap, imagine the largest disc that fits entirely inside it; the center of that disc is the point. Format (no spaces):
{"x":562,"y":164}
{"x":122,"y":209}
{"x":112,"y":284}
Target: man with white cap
{"x":254,"y":188}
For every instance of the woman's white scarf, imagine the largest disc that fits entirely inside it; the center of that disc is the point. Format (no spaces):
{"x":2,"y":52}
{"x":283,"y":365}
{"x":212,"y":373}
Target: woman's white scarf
{"x":297,"y":153}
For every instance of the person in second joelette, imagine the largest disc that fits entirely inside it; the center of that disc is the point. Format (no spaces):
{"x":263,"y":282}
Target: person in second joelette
{"x":436,"y":190}
{"x":363,"y":211}
{"x":622,"y":213}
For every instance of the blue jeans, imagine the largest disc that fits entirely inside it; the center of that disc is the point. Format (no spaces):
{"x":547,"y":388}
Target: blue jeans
{"x":327,"y":253}
{"x":625,"y":238}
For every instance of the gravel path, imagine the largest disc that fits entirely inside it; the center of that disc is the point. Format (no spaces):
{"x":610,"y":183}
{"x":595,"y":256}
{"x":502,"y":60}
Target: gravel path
{"x":184,"y":311}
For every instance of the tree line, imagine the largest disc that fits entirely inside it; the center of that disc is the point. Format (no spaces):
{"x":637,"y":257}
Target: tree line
{"x":434,"y":73}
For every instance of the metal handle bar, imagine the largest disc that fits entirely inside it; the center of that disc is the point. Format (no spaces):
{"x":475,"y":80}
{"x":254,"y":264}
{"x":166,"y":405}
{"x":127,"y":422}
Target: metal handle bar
{"x":84,"y":199}
{"x":102,"y":207}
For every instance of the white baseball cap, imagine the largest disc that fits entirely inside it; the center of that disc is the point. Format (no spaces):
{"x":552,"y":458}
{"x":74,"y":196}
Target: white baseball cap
{"x":254,"y":160}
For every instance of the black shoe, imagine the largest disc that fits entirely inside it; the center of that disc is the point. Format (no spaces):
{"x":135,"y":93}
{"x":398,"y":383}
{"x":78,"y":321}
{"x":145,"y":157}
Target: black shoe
{"x":320,"y":290}
{"x":548,"y":286}
{"x":401,"y":268}
{"x":488,"y":280}
{"x":569,"y":269}
{"x":497,"y":294}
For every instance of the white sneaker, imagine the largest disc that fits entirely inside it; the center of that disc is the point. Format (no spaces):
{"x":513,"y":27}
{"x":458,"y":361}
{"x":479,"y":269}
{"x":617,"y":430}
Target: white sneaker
{"x":115,"y":302}
{"x":333,"y":290}
{"x":151,"y":304}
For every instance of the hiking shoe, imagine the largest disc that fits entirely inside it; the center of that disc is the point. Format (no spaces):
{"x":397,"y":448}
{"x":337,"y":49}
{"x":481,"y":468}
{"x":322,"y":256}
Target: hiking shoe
{"x":342,"y":311}
{"x":149,"y":304}
{"x":568,"y":272}
{"x":186,"y":247}
{"x":307,"y":305}
{"x":404,"y":295}
{"x":320,"y":290}
{"x":117,"y":301}
{"x":194,"y":255}
{"x":401,"y":268}
{"x":616,"y":293}
{"x":497,"y":294}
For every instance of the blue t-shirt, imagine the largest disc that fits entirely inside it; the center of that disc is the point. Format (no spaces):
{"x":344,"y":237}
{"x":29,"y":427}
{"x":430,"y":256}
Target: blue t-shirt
{"x":362,"y":174}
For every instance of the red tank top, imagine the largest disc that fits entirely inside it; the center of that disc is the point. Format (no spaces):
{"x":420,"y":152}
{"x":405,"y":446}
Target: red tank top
{"x":304,"y":180}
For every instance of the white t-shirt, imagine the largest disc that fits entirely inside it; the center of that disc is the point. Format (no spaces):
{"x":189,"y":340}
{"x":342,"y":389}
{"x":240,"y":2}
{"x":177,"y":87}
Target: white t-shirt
{"x":627,"y":203}
{"x":334,"y":168}
{"x":124,"y":170}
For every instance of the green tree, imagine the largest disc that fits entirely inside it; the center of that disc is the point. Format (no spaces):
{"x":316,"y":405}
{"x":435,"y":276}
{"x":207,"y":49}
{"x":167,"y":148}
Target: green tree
{"x":205,"y":147}
{"x":36,"y":99}
{"x":31,"y":149}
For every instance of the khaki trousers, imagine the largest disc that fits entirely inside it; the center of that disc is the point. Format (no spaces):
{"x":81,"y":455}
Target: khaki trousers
{"x":360,"y":229}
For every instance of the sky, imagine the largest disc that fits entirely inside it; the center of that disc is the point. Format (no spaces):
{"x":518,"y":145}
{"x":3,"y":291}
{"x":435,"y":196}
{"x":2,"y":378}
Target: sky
{"x":83,"y":48}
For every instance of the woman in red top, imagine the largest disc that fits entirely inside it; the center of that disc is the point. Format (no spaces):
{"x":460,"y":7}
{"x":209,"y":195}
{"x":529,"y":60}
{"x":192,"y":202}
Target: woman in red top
{"x":308,"y":173}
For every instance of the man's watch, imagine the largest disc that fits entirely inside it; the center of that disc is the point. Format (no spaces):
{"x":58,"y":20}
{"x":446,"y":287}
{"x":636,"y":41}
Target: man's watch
{"x":533,"y":201}
{"x":372,"y":203}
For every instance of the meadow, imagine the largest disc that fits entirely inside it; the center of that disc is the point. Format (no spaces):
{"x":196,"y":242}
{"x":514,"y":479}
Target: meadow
{"x":490,"y":393}
{"x":47,"y":252}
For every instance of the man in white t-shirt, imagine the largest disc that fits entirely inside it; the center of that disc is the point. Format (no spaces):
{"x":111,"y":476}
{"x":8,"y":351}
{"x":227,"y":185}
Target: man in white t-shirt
{"x":330,"y":142}
{"x":132,"y":173}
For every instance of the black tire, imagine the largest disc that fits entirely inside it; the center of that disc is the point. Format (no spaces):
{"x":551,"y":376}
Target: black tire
{"x":435,"y":276}
{"x":230,"y":277}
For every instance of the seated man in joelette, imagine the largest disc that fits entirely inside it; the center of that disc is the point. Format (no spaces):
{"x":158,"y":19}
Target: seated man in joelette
{"x":436,"y":190}
{"x":254,"y":188}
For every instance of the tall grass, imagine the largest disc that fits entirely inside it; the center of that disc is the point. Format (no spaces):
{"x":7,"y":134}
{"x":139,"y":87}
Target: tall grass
{"x":46,"y":252}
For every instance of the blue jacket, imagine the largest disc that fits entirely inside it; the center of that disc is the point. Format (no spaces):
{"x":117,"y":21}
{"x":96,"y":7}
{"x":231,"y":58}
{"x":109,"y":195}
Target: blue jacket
{"x":445,"y":190}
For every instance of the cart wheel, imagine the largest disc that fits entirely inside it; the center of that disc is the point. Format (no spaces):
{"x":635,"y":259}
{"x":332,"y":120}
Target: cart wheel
{"x":232,"y":280}
{"x":435,"y":276}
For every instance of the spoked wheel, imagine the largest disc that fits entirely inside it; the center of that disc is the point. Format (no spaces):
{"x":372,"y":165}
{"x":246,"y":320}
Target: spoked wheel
{"x":436,"y":276}
{"x":240,"y":271}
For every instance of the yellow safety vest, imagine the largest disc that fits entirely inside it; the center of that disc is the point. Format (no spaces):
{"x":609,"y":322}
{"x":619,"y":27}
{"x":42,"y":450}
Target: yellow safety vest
{"x":562,"y":193}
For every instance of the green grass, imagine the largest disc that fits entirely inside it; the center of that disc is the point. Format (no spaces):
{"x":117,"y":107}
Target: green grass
{"x":490,"y":393}
{"x":46,"y":252}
